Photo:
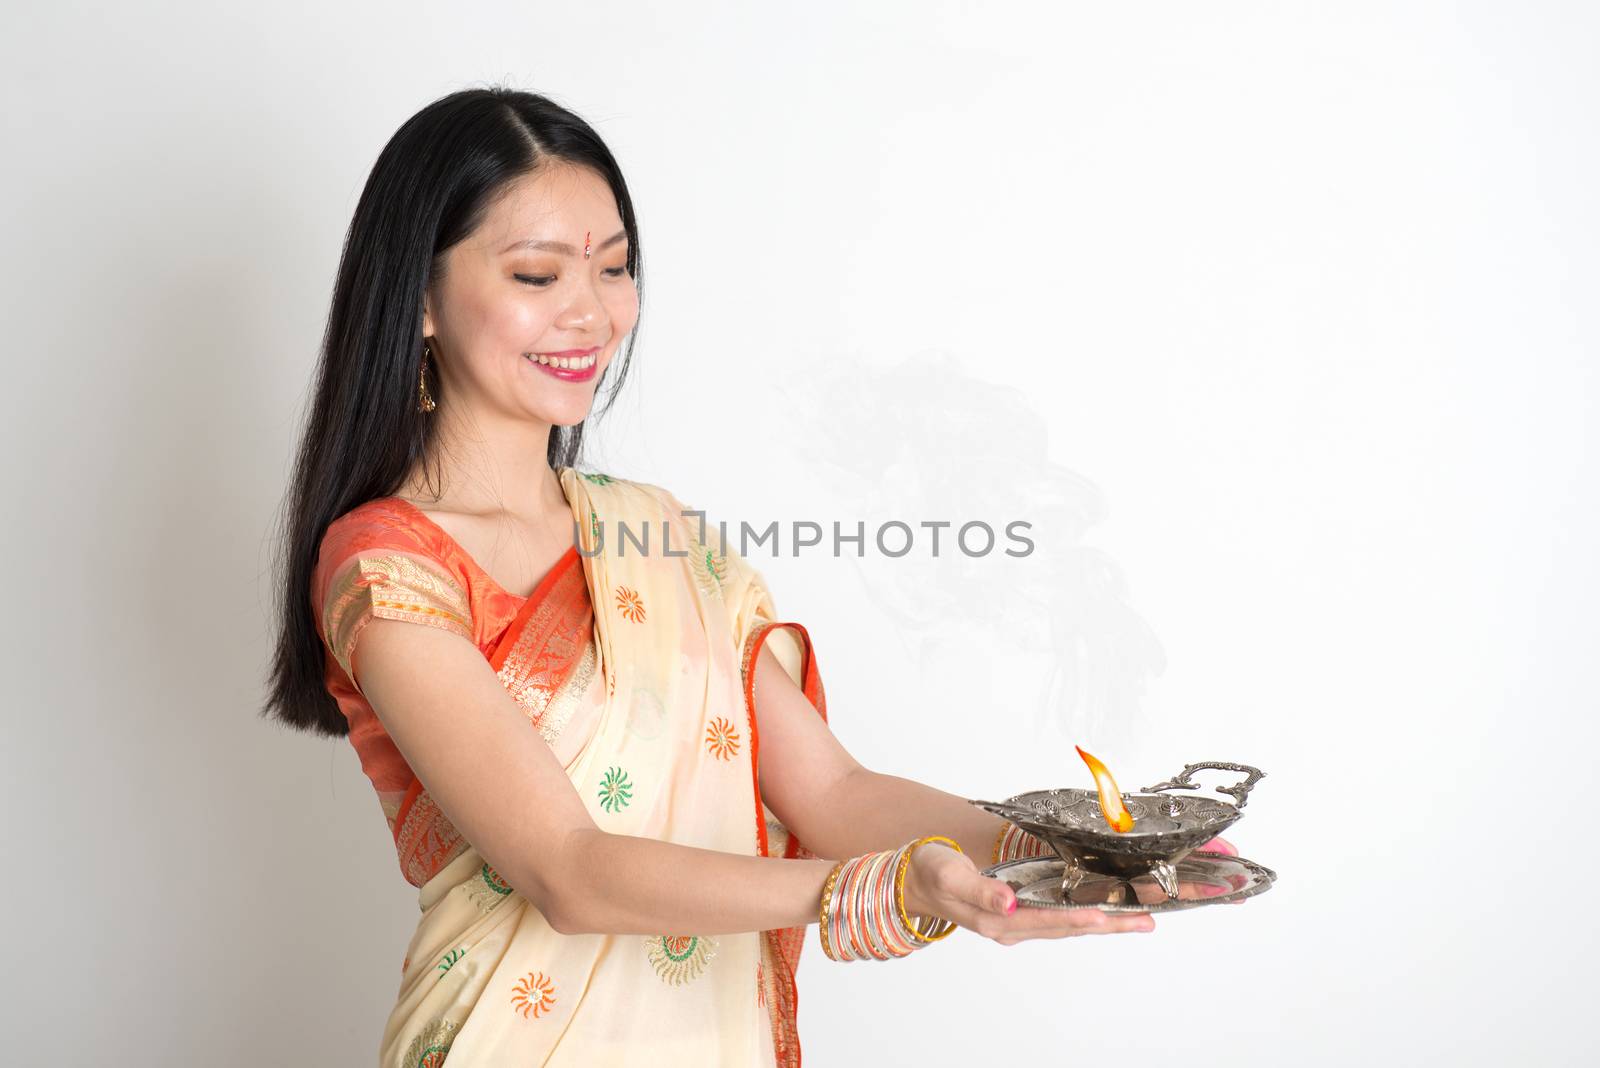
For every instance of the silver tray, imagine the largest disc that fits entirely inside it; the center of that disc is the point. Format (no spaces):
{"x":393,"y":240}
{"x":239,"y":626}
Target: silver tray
{"x":1203,"y":878}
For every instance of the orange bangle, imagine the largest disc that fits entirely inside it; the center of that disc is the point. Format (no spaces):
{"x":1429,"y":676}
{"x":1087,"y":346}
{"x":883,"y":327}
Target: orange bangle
{"x":1014,"y":843}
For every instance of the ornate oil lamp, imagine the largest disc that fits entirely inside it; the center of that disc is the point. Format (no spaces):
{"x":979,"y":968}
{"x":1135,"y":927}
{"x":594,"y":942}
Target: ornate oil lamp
{"x":1158,"y":836}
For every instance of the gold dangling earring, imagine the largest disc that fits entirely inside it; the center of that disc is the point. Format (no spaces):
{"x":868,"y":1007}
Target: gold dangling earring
{"x":424,"y":401}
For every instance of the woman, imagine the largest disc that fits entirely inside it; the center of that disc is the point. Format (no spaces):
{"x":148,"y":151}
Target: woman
{"x":635,"y":873}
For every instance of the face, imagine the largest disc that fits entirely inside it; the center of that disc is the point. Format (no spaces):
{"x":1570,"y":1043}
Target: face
{"x":518,"y":300}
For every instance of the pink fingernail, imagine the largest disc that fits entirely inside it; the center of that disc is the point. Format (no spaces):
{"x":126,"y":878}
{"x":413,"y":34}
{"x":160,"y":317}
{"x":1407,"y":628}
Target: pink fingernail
{"x":1011,"y":907}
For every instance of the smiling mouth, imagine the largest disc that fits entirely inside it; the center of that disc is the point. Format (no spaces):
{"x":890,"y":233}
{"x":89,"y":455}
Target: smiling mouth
{"x":564,"y":363}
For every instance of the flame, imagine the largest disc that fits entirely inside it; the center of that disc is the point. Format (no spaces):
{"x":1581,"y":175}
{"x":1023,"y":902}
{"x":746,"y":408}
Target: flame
{"x":1111,"y":806}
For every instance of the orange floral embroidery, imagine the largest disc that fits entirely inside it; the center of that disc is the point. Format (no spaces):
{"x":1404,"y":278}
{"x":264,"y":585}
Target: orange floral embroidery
{"x":630,"y":604}
{"x":533,"y":995}
{"x":721,"y":739}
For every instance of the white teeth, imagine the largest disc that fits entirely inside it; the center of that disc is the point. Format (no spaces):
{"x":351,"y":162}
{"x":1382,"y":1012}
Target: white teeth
{"x":566,"y":363}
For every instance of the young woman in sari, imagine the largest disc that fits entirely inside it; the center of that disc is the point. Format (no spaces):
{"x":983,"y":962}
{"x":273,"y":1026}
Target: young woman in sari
{"x":607,"y":771}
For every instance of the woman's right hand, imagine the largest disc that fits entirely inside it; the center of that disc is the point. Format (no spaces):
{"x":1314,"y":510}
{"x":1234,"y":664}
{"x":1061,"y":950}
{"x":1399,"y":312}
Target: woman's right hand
{"x":944,"y":882}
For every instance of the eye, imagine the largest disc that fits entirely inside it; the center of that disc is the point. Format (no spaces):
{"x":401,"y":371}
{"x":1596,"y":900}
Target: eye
{"x":540,"y":281}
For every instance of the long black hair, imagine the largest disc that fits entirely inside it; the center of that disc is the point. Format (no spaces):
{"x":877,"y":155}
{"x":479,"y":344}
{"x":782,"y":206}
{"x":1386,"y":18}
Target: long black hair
{"x":431,"y":187}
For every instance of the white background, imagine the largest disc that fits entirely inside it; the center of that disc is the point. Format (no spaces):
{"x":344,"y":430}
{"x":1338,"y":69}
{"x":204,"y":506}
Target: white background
{"x":1281,"y":312}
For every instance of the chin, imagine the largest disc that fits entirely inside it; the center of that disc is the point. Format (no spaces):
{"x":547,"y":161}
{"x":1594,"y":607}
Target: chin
{"x":568,"y":417}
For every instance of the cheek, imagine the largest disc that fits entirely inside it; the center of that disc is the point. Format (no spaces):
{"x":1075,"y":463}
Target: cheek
{"x":504,"y":322}
{"x":517,"y":322}
{"x":624,"y":310}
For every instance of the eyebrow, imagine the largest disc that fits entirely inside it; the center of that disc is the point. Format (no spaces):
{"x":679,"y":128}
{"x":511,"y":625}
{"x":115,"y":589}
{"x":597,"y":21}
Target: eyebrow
{"x":562,"y":246}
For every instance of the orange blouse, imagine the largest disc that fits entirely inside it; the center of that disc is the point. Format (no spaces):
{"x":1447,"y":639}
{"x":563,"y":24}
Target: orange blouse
{"x":386,"y":559}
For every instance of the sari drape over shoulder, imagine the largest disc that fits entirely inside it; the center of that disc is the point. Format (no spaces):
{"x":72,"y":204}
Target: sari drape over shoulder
{"x":633,"y":660}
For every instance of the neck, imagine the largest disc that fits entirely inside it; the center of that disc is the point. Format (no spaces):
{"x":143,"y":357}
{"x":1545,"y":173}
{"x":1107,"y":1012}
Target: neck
{"x":498,"y":469}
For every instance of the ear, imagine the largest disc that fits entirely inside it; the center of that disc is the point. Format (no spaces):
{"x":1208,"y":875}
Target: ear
{"x":427,"y":317}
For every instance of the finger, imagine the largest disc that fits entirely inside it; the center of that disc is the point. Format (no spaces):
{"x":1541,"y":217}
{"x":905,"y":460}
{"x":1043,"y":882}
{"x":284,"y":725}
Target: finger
{"x":1124,"y":922}
{"x":980,"y":921}
{"x":1057,"y":923}
{"x":1064,"y":923}
{"x":1221,"y":845}
{"x":993,"y":896}
{"x":973,"y":901}
{"x":997,"y":896}
{"x":1028,"y":923}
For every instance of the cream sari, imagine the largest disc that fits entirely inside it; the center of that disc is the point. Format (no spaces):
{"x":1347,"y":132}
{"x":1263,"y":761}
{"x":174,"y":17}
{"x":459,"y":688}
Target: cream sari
{"x":649,"y":710}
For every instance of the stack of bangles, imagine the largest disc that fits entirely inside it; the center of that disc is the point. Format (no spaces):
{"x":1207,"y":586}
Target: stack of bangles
{"x":1013,"y":843}
{"x":864,"y":907}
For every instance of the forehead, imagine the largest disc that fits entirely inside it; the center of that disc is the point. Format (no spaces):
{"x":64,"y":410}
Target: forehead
{"x":558,"y":202}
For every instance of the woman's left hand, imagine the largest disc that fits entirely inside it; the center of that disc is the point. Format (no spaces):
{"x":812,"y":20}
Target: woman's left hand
{"x":1220,"y":845}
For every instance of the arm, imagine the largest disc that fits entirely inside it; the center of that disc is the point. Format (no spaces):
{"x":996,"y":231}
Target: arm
{"x":464,"y":737}
{"x":841,"y":809}
{"x":837,"y":807}
{"x":881,"y":811}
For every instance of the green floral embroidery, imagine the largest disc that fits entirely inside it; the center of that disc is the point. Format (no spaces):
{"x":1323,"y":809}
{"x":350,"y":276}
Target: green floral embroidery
{"x":594,"y":527}
{"x":450,"y":958}
{"x":615,"y":790}
{"x":597,"y":478}
{"x":486,"y":889}
{"x":492,"y":879}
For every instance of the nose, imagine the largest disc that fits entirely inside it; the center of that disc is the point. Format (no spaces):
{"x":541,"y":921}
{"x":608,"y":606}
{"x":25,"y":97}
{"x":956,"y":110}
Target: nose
{"x":584,"y":312}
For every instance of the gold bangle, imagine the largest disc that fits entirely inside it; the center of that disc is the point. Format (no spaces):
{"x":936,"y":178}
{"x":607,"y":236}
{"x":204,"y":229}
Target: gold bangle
{"x":1001,"y":837}
{"x":827,"y":893}
{"x":900,"y":888}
